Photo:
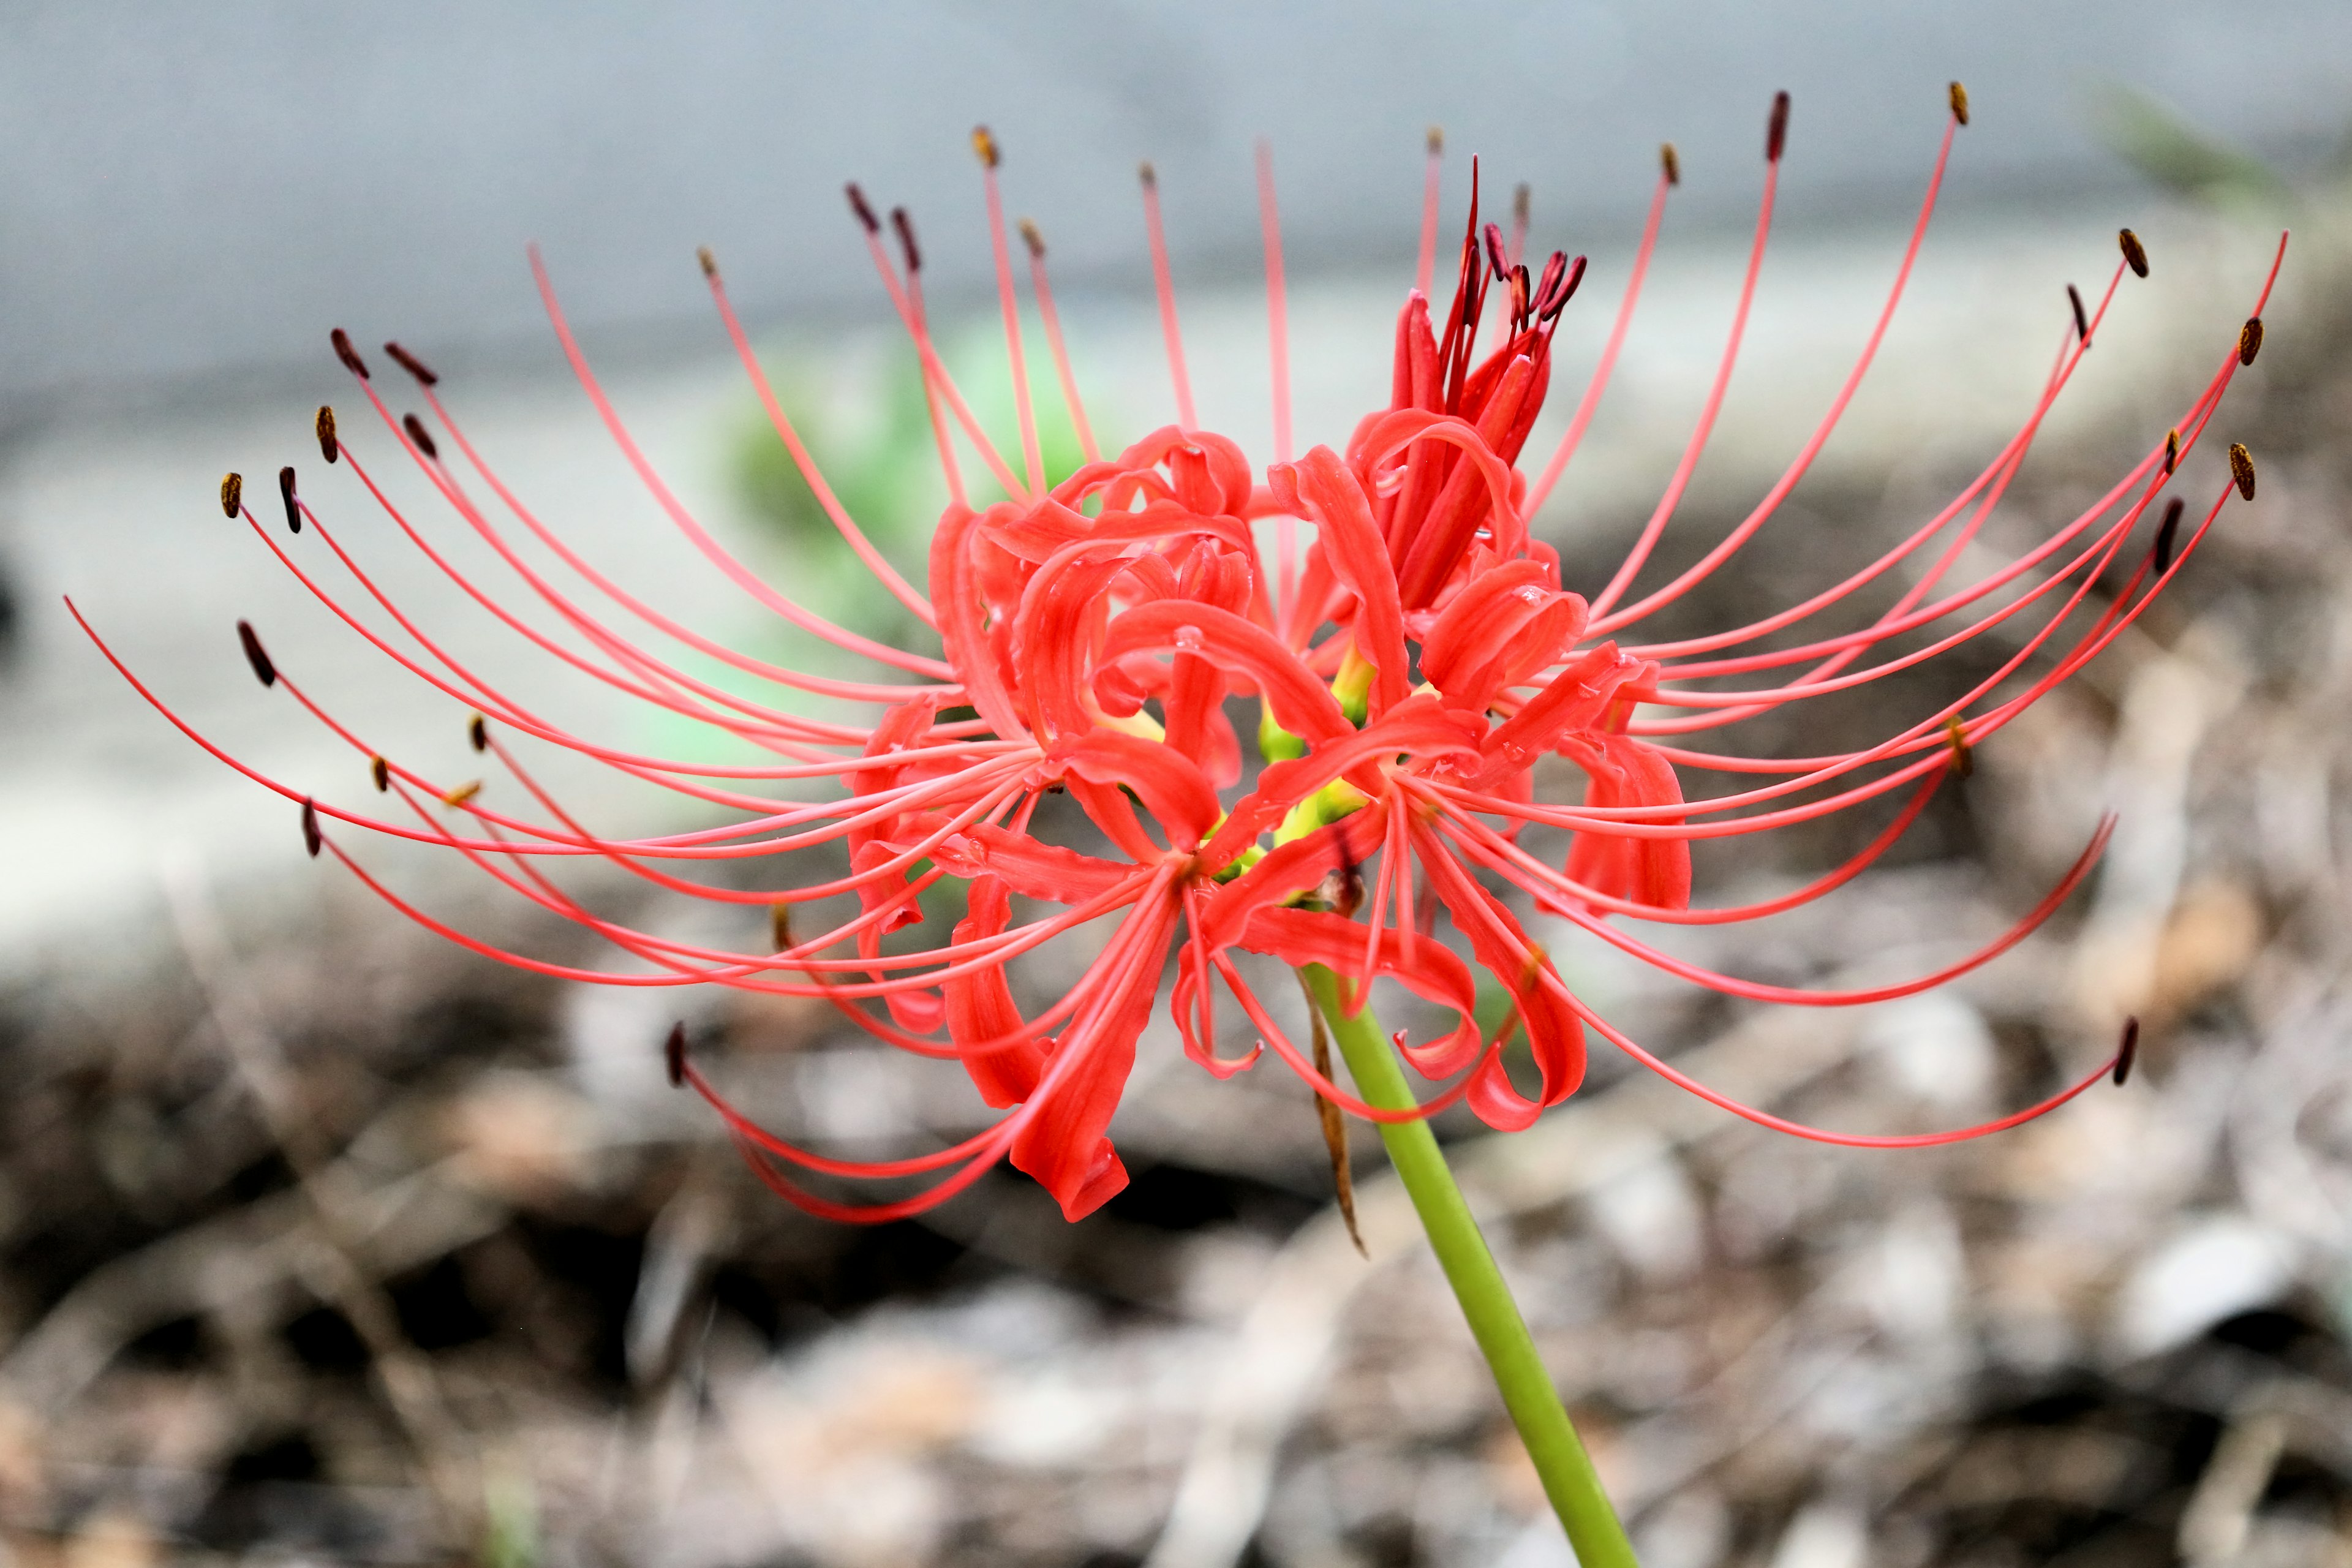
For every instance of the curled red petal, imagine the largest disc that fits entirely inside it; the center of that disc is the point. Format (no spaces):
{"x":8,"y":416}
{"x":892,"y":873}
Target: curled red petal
{"x":979,"y":1007}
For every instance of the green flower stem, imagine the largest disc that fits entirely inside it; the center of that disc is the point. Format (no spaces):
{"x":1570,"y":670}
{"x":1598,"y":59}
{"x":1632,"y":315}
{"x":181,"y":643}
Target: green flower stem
{"x":1494,"y":1320}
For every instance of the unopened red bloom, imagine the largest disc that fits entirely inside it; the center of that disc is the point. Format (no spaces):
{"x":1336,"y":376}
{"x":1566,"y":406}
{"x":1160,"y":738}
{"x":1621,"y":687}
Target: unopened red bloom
{"x":1408,"y":669}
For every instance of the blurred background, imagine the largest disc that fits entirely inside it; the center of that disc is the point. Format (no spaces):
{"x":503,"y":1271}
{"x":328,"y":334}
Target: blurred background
{"x":323,"y":1240}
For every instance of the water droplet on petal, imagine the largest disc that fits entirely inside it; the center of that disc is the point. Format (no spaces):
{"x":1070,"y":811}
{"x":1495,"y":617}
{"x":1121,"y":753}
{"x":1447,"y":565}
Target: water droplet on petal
{"x":1189,"y":638}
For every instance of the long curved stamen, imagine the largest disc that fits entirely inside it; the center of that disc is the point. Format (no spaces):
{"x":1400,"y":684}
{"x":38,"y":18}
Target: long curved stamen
{"x":1539,"y":492}
{"x":804,"y":465}
{"x":983,"y":142}
{"x":1683,"y":1081}
{"x":712,"y":551}
{"x":1640,"y":554}
{"x":1277,"y":335}
{"x":1166,"y":288}
{"x":1804,"y":459}
{"x":1426,"y":267}
{"x":1052,"y":318}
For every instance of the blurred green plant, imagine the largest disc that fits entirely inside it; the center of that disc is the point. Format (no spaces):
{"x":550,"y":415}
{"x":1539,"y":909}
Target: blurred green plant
{"x":510,"y":1529}
{"x":2179,"y":157}
{"x":868,"y":429}
{"x":874,"y":446}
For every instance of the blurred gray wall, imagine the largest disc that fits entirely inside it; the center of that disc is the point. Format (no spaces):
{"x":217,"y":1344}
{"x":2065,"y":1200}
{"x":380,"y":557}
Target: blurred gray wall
{"x":190,"y":191}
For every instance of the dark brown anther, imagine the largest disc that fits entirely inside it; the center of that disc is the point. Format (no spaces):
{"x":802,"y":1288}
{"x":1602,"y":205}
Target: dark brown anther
{"x":311,"y":838}
{"x":1776,"y":139}
{"x":904,"y":226}
{"x":2171,"y":450}
{"x":1522,"y":203}
{"x":1956,"y":736}
{"x":1958,"y":96}
{"x":255,"y":655}
{"x":779,"y":927}
{"x":412,"y":364}
{"x":2166,"y":533}
{"x":1671,"y":162}
{"x":1343,"y":886}
{"x":984,"y":143}
{"x":232,"y":493}
{"x":1436,"y":141}
{"x":380,"y":771}
{"x":1497,"y":259}
{"x":2082,"y":317}
{"x":329,"y":447}
{"x":2242,"y":468}
{"x":1033,"y":240}
{"x":478,"y":733}
{"x":2250,"y":339}
{"x":2135,"y":253}
{"x":462,"y":794}
{"x":674,"y":1055}
{"x":2128,"y":1052}
{"x":348,"y":355}
{"x":286,"y":494}
{"x":421,"y":437}
{"x":857,"y":205}
{"x":710,"y":263}
{"x":1148,"y":174}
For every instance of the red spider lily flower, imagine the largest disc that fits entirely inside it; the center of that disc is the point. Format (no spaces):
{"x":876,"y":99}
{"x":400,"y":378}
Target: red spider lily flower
{"x":1409,"y":667}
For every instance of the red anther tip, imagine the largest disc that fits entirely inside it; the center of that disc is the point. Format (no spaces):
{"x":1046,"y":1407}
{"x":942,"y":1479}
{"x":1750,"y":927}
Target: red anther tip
{"x":255,"y":655}
{"x":1776,"y":138}
{"x":380,"y":771}
{"x":2250,"y":339}
{"x":674,"y":1055}
{"x":1671,"y":161}
{"x":904,"y":226}
{"x":857,"y":205}
{"x":418,"y":434}
{"x":2242,"y":468}
{"x":1147,"y":173}
{"x":2165,"y":533}
{"x":412,"y":364}
{"x":1956,"y":736}
{"x":348,"y":355}
{"x":1436,"y":140}
{"x":329,"y":447}
{"x":232,"y":492}
{"x":984,"y":143}
{"x":478,"y":733}
{"x":1555,"y":299}
{"x":1958,"y":96}
{"x":2128,"y":1052}
{"x":311,"y":838}
{"x":1495,"y":254}
{"x":286,"y":493}
{"x":462,"y":794}
{"x":1033,"y":240}
{"x":2082,"y":317}
{"x":709,"y":262}
{"x":2171,"y":452}
{"x":2135,"y":253}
